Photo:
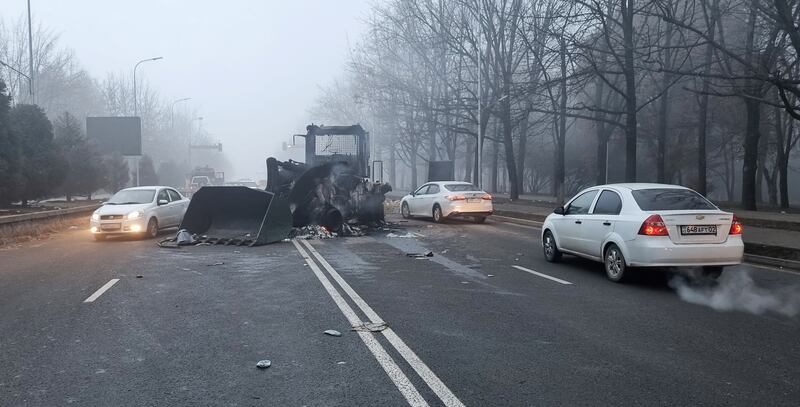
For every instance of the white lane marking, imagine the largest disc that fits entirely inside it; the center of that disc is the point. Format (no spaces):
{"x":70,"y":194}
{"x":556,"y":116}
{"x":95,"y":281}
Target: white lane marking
{"x":384,"y":359}
{"x":101,"y":290}
{"x":536,"y":273}
{"x":448,"y":398}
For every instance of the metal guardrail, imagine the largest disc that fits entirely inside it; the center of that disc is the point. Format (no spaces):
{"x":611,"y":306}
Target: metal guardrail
{"x":46,"y":215}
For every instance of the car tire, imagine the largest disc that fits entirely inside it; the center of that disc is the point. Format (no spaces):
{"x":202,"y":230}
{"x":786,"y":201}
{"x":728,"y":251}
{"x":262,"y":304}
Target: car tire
{"x":99,"y":237}
{"x":152,"y":229}
{"x":614,"y":264}
{"x":437,"y":214}
{"x":405,"y":211}
{"x":550,"y":249}
{"x":480,"y":219}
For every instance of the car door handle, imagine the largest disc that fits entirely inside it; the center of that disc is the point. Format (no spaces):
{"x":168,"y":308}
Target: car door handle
{"x":607,"y":223}
{"x":578,"y":222}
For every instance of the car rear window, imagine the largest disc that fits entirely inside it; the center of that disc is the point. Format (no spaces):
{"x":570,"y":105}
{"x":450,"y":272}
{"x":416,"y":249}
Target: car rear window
{"x":460,"y":187}
{"x":669,"y":199}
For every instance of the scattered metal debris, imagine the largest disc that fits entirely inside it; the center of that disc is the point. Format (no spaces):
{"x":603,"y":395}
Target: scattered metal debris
{"x":370,"y":327}
{"x":490,"y":275}
{"x":341,"y":363}
{"x":333,"y":332}
{"x":444,"y":251}
{"x":311,"y":232}
{"x":139,"y":276}
{"x":219,"y":263}
{"x":263,"y":364}
{"x":426,"y":254}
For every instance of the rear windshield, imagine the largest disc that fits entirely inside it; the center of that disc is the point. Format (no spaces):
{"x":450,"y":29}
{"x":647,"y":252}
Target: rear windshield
{"x":460,"y":187}
{"x":669,"y":199}
{"x":132,"y":196}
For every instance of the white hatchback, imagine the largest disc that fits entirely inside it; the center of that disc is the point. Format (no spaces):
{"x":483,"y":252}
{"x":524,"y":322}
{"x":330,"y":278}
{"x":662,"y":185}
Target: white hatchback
{"x":447,"y":199}
{"x":644,"y":225}
{"x":140,"y":211}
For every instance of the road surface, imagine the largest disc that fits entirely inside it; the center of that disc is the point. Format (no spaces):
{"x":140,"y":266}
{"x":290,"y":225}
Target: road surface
{"x":484,"y":322}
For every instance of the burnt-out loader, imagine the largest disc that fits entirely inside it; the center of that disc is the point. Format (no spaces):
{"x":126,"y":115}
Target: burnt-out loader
{"x":332,"y":188}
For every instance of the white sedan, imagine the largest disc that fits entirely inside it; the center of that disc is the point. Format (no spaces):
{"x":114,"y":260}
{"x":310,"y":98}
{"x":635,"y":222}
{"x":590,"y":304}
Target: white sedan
{"x":447,"y":199}
{"x":140,"y":211}
{"x":644,"y":225}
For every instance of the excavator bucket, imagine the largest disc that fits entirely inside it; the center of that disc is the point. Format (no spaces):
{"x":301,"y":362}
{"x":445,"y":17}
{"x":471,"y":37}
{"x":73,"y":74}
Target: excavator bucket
{"x":236,"y":215}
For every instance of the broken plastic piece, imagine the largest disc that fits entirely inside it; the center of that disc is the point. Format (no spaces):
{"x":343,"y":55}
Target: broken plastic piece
{"x":370,"y":327}
{"x":426,"y":254}
{"x":263,"y":364}
{"x":333,"y":332}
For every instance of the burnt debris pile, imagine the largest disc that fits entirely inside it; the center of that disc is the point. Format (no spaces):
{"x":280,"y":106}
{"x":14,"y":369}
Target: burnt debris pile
{"x":331,"y":194}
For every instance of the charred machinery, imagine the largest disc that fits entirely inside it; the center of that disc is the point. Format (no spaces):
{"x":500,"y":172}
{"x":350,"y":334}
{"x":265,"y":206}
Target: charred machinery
{"x":332,"y":188}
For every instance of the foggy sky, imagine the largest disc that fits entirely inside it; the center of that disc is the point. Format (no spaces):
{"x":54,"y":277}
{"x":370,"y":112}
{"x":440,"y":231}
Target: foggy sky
{"x":252,"y":68}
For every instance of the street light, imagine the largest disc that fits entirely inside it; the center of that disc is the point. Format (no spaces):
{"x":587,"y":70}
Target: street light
{"x":135,"y":104}
{"x":189,"y":137}
{"x":172,"y":113}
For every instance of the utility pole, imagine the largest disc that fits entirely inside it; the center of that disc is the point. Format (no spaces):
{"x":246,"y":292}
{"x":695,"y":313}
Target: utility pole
{"x":30,"y":55}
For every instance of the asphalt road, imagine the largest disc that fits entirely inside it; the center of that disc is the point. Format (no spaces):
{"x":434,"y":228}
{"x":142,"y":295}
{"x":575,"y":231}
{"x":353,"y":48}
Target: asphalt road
{"x":464,"y":327}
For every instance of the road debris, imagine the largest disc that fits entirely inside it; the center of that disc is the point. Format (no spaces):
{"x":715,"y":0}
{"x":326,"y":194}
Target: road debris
{"x":333,"y":332}
{"x":490,"y":275}
{"x":139,"y":276}
{"x":311,"y":232}
{"x":219,"y":263}
{"x":370,"y":327}
{"x":426,"y":254}
{"x":341,"y":363}
{"x":263,"y":364}
{"x":444,"y":251}
{"x":406,"y":235}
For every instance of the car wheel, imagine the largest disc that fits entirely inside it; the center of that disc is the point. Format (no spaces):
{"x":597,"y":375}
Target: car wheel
{"x":99,"y":237}
{"x":615,"y":266}
{"x":480,"y":219}
{"x":437,"y":214}
{"x":152,"y":228}
{"x":551,"y":252}
{"x":405,"y":211}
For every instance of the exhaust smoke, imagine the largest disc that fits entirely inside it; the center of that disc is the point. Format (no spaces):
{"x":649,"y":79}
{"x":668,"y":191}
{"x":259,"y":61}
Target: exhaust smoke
{"x":736,"y":291}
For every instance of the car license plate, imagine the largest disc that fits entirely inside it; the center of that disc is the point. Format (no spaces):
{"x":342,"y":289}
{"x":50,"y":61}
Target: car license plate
{"x":110,"y":226}
{"x":699,"y":229}
{"x":473,"y":200}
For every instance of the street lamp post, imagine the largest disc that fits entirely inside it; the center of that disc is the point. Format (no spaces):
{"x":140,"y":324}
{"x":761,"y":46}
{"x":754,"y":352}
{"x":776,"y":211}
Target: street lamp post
{"x":189,"y":138}
{"x":135,"y":103}
{"x":172,"y":114}
{"x":30,"y":54}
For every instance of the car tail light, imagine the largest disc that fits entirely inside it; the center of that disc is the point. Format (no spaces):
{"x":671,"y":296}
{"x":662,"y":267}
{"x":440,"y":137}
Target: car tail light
{"x":456,"y":197}
{"x":736,"y":226}
{"x":653,"y":226}
{"x":486,"y":197}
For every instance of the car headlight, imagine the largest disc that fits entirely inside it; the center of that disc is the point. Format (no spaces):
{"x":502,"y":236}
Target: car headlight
{"x":135,"y":215}
{"x":95,"y":216}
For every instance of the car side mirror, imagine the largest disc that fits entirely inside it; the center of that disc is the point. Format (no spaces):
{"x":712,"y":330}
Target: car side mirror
{"x":559,"y":210}
{"x":162,"y":202}
{"x":413,"y":194}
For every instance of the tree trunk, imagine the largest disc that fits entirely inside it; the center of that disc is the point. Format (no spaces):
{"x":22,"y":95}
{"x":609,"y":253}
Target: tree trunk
{"x":750,"y":162}
{"x":630,"y":91}
{"x":663,"y":109}
{"x":702,"y":114}
{"x":562,"y":128}
{"x":495,"y":164}
{"x":508,"y":143}
{"x":523,"y":138}
{"x":468,"y":159}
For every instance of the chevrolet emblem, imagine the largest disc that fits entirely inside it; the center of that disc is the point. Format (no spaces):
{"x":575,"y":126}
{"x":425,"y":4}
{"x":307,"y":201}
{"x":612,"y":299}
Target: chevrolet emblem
{"x":700,"y":217}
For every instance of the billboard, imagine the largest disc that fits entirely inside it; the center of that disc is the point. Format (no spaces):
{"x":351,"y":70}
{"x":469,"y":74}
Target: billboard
{"x":122,"y":135}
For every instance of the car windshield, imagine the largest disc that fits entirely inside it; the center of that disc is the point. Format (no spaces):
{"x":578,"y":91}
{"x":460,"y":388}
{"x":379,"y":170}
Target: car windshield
{"x":669,"y":199}
{"x":132,"y":196}
{"x":460,"y":187}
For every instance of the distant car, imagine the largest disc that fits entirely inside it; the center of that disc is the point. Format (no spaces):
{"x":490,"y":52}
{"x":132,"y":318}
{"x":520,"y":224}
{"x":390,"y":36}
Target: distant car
{"x":447,"y":199}
{"x":644,"y":225}
{"x":139,"y":211}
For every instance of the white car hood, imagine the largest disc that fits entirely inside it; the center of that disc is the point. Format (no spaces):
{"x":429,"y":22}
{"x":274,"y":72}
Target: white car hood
{"x":121,"y":209}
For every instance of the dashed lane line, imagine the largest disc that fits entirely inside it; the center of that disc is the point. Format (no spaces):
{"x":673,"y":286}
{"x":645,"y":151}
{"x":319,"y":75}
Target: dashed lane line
{"x":101,"y":290}
{"x":536,"y":273}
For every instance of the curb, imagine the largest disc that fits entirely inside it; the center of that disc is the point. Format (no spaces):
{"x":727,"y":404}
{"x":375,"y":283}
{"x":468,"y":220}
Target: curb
{"x":506,"y":216}
{"x":5,"y":220}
